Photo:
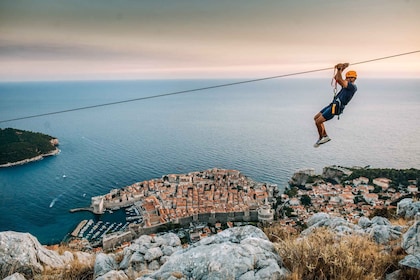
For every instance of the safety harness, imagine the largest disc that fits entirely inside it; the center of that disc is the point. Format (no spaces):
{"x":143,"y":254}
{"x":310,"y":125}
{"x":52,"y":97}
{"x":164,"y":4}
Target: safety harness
{"x":336,"y":102}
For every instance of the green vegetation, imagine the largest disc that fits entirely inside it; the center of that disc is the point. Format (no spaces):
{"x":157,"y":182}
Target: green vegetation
{"x":291,"y":191}
{"x":17,"y":145}
{"x":306,"y":200}
{"x":398,"y":176}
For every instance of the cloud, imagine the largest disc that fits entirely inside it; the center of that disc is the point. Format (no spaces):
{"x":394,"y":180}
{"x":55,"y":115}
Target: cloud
{"x":184,"y":38}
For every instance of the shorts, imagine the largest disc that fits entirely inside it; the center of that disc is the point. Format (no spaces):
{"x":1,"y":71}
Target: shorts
{"x":327,"y":112}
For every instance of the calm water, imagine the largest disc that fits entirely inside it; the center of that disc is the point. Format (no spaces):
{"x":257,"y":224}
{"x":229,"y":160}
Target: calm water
{"x":263,"y":129}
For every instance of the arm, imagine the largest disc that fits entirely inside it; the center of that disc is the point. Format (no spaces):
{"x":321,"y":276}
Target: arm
{"x":338,"y":76}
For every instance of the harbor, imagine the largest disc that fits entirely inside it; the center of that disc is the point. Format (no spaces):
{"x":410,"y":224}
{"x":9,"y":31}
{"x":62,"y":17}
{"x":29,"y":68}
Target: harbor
{"x":177,"y":201}
{"x":95,"y":231}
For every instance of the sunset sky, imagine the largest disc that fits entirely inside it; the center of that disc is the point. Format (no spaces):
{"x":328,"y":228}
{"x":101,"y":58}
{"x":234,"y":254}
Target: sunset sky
{"x":161,"y":39}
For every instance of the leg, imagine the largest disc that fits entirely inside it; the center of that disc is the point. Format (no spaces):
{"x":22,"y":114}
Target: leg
{"x":320,"y":118}
{"x":319,"y":122}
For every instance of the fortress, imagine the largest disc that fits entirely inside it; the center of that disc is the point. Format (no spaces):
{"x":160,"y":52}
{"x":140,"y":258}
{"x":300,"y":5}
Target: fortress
{"x":210,"y":196}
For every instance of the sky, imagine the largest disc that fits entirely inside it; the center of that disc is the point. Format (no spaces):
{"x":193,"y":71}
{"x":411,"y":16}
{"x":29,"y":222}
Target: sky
{"x":184,"y":39}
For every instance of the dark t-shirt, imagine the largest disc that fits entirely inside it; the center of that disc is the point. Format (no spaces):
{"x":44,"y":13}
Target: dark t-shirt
{"x":346,"y":94}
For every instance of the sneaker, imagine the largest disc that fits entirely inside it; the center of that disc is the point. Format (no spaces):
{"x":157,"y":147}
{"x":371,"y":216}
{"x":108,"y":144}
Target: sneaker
{"x":323,"y":140}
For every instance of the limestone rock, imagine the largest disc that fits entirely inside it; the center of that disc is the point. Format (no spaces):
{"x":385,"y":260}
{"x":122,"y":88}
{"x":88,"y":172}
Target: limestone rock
{"x":83,"y":257}
{"x":379,"y":228}
{"x":300,"y":177}
{"x":148,"y":253}
{"x":407,"y":208}
{"x":364,"y":222}
{"x":237,"y":253}
{"x":22,"y":252}
{"x":412,"y":261}
{"x":411,"y":239}
{"x":381,"y":221}
{"x":337,"y":224}
{"x":103,"y":264}
{"x":113,"y":275}
{"x":382,"y":234}
{"x":335,"y":173}
{"x":153,"y":254}
{"x":394,"y":275}
{"x":15,"y":276}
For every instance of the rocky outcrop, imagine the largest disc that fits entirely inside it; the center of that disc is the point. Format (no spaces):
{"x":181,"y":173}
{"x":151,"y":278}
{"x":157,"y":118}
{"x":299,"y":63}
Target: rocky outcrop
{"x":335,"y":173}
{"x":237,"y":253}
{"x":103,"y":264}
{"x":15,"y":276}
{"x":148,"y":253}
{"x":330,"y":173}
{"x":408,"y":209}
{"x":379,"y":228}
{"x":301,"y":177}
{"x":411,"y":239}
{"x":411,"y":244}
{"x":22,"y":252}
{"x":114,"y":275}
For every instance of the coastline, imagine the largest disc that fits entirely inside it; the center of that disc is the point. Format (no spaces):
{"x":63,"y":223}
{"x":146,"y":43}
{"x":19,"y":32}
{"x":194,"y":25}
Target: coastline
{"x":29,"y":160}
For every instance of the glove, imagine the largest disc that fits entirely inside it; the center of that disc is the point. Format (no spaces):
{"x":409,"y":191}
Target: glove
{"x":342,"y":66}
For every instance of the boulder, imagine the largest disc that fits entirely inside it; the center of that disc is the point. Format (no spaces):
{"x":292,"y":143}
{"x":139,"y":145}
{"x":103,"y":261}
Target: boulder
{"x":103,"y":264}
{"x":153,"y":254}
{"x":411,"y":239}
{"x":148,"y":253}
{"x":407,"y":208}
{"x":382,"y":231}
{"x":169,"y":239}
{"x":237,"y":253}
{"x":383,"y":234}
{"x":380,"y":221}
{"x":113,"y":275}
{"x":15,"y":276}
{"x":335,"y":173}
{"x":412,"y":261}
{"x":337,"y":224}
{"x":364,"y":222}
{"x":379,"y":228}
{"x":22,"y":252}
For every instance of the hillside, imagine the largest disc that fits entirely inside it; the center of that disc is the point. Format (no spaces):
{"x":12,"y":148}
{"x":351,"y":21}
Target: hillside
{"x":20,"y":146}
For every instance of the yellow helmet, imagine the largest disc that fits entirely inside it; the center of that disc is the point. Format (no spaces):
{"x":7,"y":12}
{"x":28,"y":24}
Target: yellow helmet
{"x":351,"y":74}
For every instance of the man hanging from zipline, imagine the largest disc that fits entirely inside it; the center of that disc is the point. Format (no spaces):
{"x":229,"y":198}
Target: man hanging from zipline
{"x":336,"y":107}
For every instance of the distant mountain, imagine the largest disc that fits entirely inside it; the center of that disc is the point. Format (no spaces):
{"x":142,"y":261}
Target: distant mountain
{"x":20,"y":146}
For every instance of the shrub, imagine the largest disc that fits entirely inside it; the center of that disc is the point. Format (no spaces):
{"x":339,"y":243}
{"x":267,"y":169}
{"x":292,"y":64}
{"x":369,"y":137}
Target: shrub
{"x":326,"y":255}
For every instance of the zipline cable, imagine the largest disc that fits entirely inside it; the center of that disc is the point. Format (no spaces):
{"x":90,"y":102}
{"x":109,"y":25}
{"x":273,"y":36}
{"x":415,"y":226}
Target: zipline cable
{"x":200,"y":89}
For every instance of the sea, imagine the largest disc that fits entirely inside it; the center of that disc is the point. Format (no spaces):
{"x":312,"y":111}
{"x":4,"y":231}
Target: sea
{"x":264,"y":129}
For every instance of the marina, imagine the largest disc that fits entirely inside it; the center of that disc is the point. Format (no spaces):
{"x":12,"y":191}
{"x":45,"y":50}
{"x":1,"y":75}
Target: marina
{"x":95,"y":231}
{"x":134,"y":214}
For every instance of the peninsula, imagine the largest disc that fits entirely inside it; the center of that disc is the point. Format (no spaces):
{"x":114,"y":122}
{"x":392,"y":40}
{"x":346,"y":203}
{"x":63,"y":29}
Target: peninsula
{"x":19,"y":147}
{"x":212,"y":196}
{"x":200,"y":203}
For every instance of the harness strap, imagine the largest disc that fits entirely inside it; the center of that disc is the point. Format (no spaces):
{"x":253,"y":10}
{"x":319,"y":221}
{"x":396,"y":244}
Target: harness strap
{"x":334,"y":85}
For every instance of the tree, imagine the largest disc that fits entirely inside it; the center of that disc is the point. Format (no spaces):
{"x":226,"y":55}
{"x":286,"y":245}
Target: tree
{"x":305,"y":200}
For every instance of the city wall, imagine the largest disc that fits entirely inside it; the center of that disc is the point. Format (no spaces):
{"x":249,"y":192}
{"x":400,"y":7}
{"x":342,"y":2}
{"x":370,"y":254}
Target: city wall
{"x":210,"y":218}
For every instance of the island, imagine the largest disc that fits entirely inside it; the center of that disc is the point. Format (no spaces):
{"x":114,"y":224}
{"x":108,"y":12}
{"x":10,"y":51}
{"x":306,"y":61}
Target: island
{"x":19,"y":147}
